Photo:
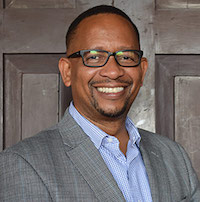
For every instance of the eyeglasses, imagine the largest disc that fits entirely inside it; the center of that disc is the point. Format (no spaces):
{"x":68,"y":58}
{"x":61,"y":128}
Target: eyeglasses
{"x":98,"y":58}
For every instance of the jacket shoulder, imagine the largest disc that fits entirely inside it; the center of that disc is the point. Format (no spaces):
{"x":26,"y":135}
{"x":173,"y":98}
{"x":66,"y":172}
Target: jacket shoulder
{"x":36,"y":144}
{"x":163,"y":146}
{"x":157,"y":139}
{"x":176,"y":163}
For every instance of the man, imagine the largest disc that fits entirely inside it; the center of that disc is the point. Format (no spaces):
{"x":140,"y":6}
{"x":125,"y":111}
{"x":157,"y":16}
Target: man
{"x":95,"y":153}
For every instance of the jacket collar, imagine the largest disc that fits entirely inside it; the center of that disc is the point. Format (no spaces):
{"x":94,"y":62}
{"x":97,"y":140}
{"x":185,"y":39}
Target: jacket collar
{"x":155,"y":167}
{"x":88,"y":161}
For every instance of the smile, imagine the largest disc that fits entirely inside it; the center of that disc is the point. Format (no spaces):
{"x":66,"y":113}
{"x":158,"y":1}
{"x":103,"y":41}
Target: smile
{"x":110,"y":90}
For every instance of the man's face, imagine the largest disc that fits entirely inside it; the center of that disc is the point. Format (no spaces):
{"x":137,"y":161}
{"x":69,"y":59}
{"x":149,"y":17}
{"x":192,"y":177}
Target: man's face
{"x":108,"y":91}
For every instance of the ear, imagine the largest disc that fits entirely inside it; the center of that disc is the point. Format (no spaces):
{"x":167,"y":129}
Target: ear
{"x":65,"y":71}
{"x":144,"y":66}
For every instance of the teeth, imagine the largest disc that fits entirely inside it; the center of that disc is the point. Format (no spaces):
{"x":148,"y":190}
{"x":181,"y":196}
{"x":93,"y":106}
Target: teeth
{"x":110,"y":90}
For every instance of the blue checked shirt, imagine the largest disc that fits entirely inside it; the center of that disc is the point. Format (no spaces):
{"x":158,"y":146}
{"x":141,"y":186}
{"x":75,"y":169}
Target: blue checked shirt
{"x":128,"y":171}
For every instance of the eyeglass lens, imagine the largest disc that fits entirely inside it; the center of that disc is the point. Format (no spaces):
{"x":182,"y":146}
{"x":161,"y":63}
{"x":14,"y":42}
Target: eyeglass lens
{"x":99,"y":58}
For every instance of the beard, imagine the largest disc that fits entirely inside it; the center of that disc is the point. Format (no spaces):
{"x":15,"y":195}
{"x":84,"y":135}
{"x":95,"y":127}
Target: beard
{"x":110,"y":114}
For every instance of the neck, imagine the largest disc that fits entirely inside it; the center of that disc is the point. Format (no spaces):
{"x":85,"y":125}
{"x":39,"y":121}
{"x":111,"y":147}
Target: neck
{"x":115,"y":127}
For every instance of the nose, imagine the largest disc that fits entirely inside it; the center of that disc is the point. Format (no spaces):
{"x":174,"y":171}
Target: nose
{"x":112,"y":69}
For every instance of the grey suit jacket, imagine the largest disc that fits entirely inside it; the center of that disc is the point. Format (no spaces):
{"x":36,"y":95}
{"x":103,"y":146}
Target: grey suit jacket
{"x":62,"y":164}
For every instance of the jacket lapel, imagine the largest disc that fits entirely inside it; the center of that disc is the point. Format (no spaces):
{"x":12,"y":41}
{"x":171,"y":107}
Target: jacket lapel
{"x":88,"y":161}
{"x":155,"y":167}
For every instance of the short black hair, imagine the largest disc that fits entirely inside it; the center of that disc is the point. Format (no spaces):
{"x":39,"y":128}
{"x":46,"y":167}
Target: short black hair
{"x":94,"y":11}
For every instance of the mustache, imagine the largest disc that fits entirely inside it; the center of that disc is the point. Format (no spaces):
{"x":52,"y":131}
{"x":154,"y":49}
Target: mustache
{"x":110,"y":81}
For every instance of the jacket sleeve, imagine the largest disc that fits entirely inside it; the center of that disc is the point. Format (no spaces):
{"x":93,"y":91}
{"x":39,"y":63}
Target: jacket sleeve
{"x":193,"y":179}
{"x":19,"y":181}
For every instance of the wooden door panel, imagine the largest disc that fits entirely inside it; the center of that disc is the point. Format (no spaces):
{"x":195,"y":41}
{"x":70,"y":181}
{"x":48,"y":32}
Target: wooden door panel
{"x":187,"y":116}
{"x":167,"y":68}
{"x":39,"y":4}
{"x":32,"y":88}
{"x":177,"y":31}
{"x":39,"y":102}
{"x":172,"y":4}
{"x":177,"y":101}
{"x":12,"y":104}
{"x":194,"y":4}
{"x":36,"y":30}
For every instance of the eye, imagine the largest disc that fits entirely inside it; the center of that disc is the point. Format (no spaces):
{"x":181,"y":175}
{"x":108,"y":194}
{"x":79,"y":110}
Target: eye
{"x":126,"y":58}
{"x":95,"y":57}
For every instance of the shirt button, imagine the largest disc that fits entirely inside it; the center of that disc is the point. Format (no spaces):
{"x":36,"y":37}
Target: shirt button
{"x":110,"y":140}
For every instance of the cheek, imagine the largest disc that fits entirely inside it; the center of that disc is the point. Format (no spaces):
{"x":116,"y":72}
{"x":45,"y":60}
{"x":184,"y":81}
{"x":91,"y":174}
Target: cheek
{"x":81,"y":76}
{"x":135,"y":75}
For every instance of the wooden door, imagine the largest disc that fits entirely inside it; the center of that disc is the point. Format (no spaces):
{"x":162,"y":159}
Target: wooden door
{"x":177,"y":74}
{"x":178,"y":95}
{"x":34,"y":96}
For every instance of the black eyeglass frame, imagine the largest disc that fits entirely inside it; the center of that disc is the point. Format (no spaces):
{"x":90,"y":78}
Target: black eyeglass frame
{"x":81,"y":54}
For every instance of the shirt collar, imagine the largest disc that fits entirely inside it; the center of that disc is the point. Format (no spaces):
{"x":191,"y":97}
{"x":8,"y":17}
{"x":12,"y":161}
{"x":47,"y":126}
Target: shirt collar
{"x":96,"y":134}
{"x":134,"y":135}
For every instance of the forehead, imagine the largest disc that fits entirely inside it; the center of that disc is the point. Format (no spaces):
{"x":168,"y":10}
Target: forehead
{"x":104,"y":28}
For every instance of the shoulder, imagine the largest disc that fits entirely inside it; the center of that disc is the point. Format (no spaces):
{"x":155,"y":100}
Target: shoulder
{"x":35,"y":145}
{"x":33,"y":158}
{"x":24,"y":167}
{"x":171,"y":151}
{"x":171,"y":157}
{"x":46,"y":142}
{"x":157,"y":140}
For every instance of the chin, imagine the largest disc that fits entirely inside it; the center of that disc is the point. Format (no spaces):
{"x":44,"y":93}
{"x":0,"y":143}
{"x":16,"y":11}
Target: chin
{"x":113,"y":113}
{"x":110,"y":110}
